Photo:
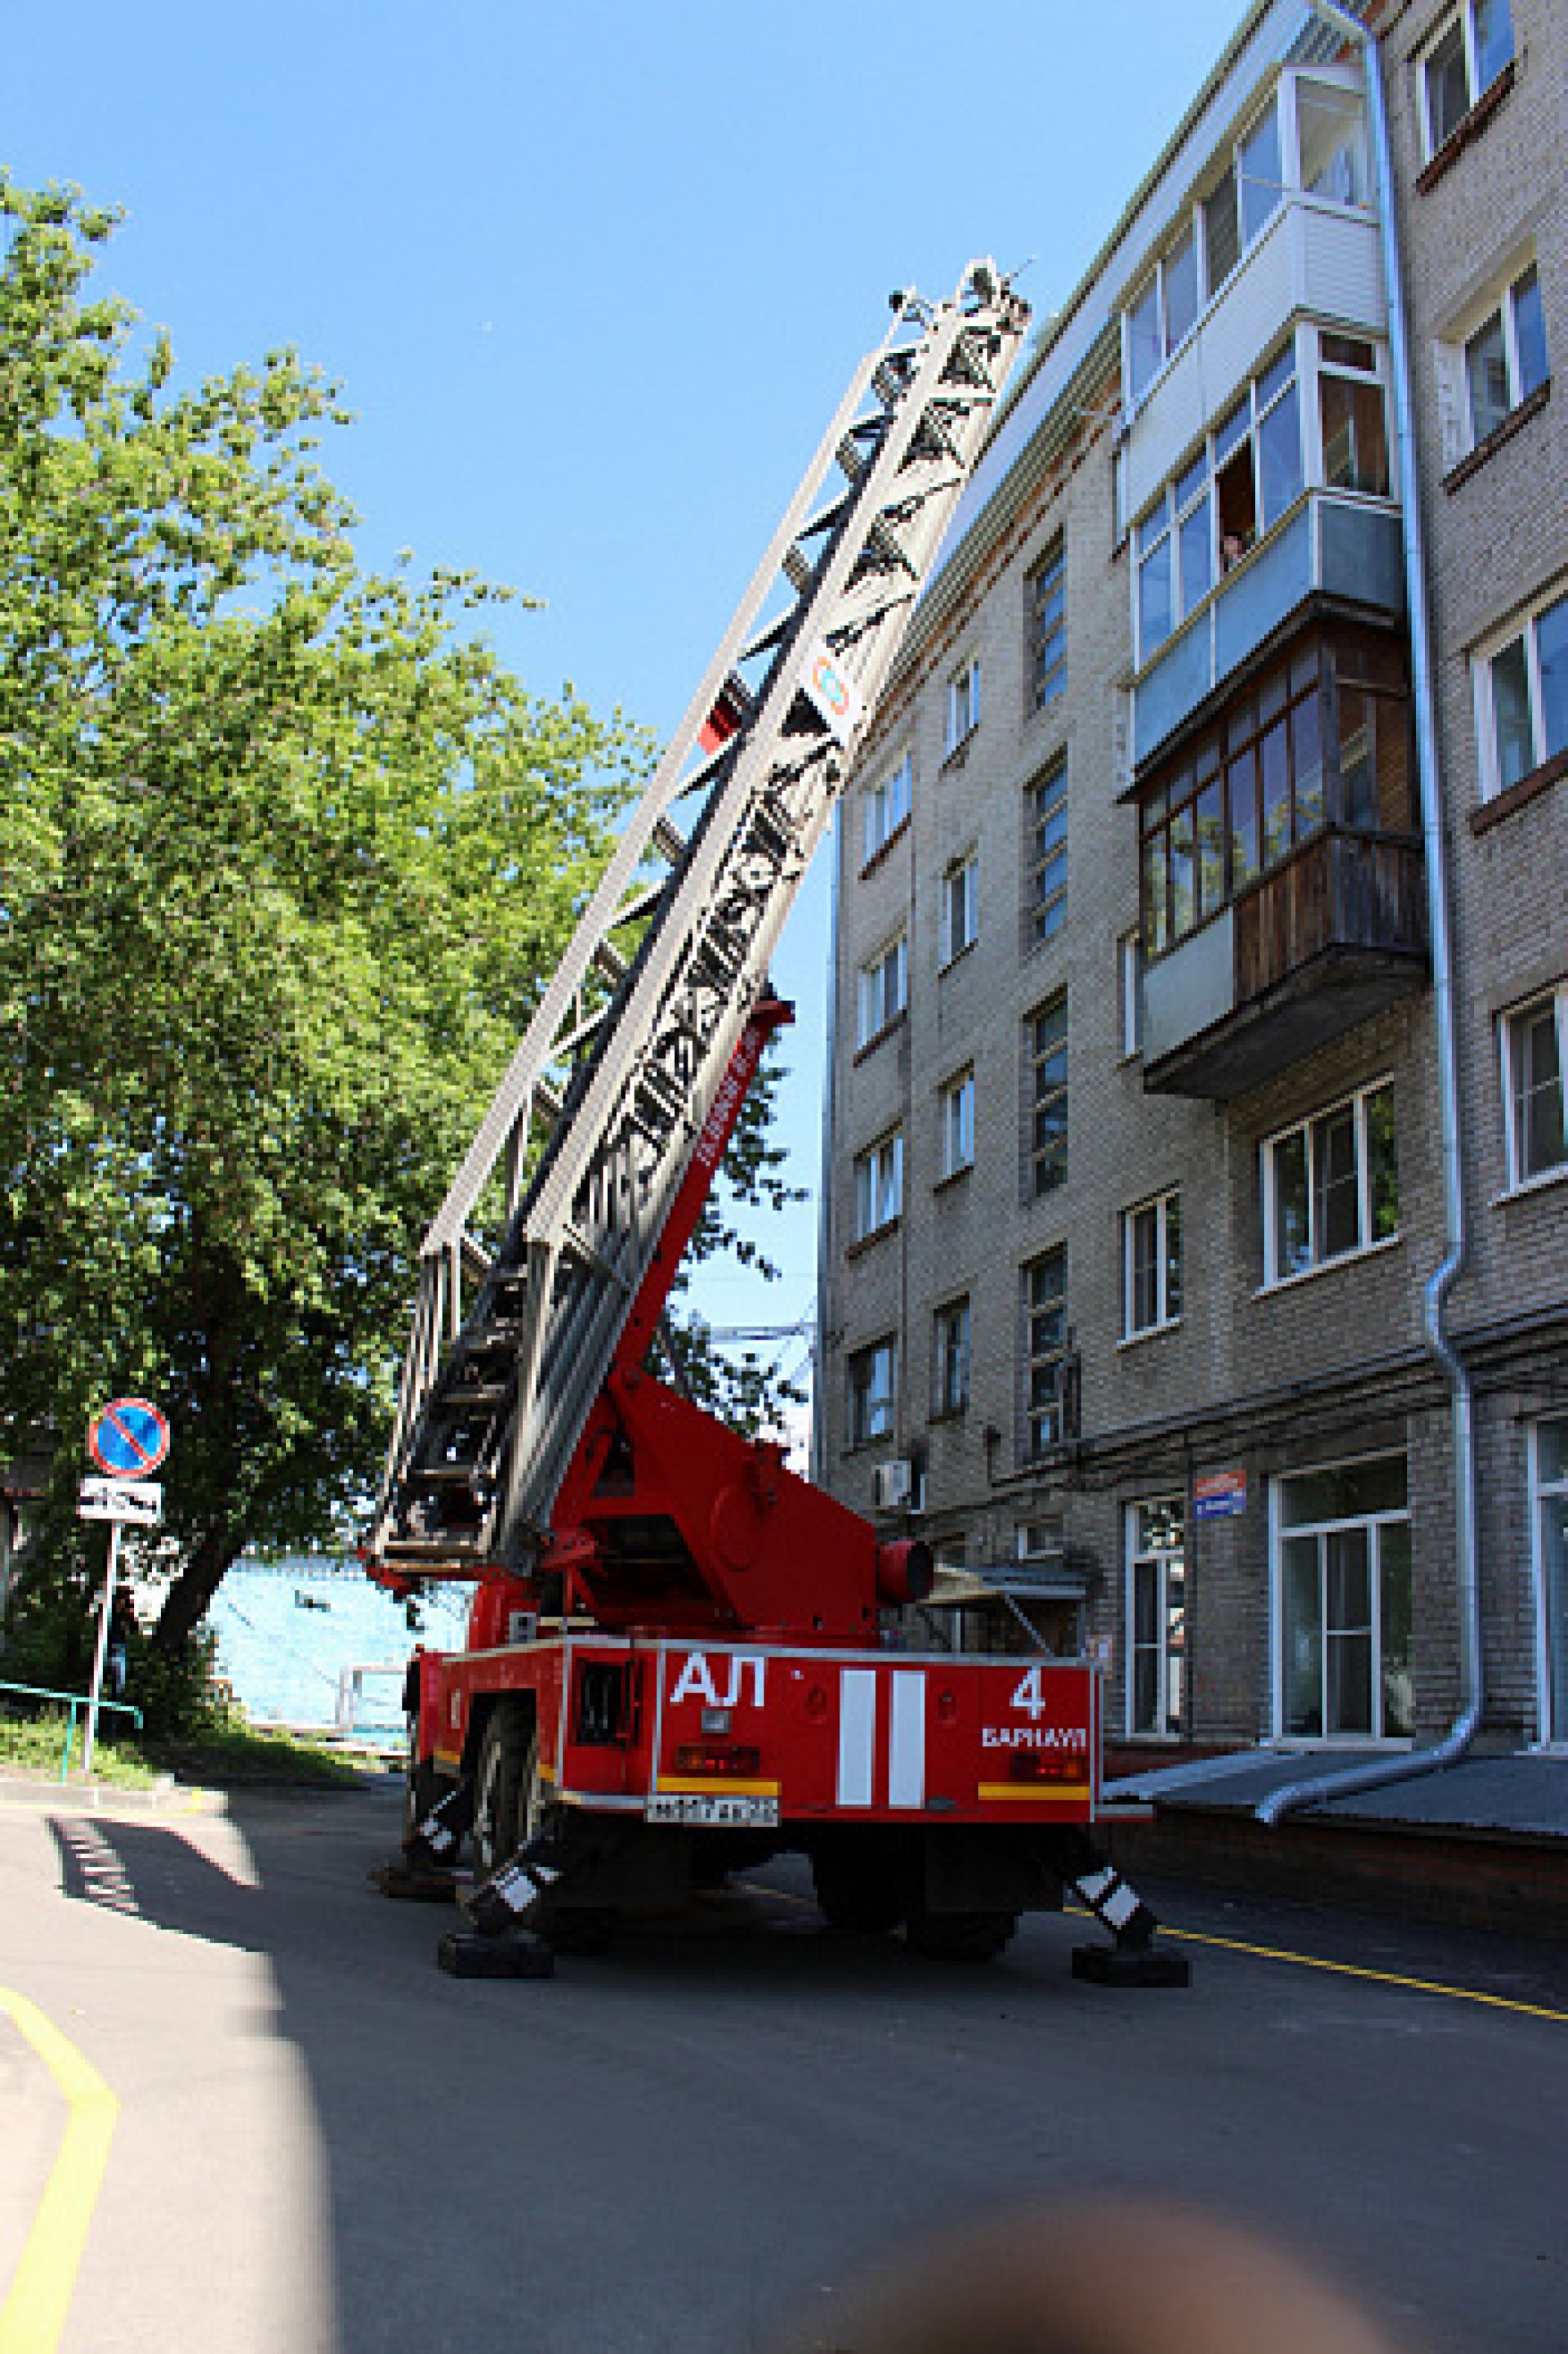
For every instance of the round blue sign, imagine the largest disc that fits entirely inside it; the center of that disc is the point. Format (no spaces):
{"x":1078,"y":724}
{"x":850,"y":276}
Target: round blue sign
{"x":129,"y":1439}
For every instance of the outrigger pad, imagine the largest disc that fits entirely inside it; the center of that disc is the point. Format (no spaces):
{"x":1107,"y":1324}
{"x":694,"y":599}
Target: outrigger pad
{"x":417,"y":1885}
{"x":1130,"y":1965}
{"x":521,"y":1956}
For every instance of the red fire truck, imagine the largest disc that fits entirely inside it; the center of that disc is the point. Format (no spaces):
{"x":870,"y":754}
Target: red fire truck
{"x":681,"y":1657}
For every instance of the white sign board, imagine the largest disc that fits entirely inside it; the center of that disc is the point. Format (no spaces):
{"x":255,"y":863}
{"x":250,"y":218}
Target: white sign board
{"x":839,"y":702}
{"x":139,"y":1501}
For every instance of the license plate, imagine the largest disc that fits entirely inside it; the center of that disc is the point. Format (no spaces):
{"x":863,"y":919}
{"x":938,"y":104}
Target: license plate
{"x":688,"y":1807}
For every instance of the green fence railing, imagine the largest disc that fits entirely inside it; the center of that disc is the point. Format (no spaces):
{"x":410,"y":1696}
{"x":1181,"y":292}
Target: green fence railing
{"x":75,"y":1703}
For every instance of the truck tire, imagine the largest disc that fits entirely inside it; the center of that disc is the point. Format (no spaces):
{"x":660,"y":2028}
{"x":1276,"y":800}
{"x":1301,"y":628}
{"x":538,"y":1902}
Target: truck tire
{"x":960,"y":1937}
{"x":857,"y":1891}
{"x":502,"y":1784}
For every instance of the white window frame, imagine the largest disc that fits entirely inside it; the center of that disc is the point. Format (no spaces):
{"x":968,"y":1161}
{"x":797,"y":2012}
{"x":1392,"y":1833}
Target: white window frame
{"x":879,"y":1186}
{"x":960,"y":907}
{"x":1048,"y":586}
{"x":1045,"y":1425}
{"x":956,"y":1119}
{"x":1045,"y":801}
{"x":963,"y":704}
{"x":1313,"y":414}
{"x":1520,"y":1179}
{"x":1553,"y":1735}
{"x":1048,"y":1167}
{"x":1139,"y":1552}
{"x":1166,"y":1210}
{"x":1464,"y":15}
{"x":879,"y":1399}
{"x":884,"y":807}
{"x":1129,"y":977}
{"x":1505,"y":310}
{"x":882,"y":991}
{"x":1160,"y":522}
{"x":1527,"y":626}
{"x":1366,"y":1242}
{"x":950,"y":1357}
{"x":1374,"y":1521}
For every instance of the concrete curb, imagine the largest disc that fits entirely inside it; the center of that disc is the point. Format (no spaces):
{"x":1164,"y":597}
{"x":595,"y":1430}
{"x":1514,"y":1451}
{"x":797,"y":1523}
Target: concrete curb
{"x":167,"y":1797}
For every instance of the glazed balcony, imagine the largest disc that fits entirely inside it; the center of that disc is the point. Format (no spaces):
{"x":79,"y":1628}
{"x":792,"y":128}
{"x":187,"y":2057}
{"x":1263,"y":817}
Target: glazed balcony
{"x":1325,"y":940}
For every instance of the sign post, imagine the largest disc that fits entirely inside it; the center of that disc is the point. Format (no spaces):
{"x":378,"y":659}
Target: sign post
{"x":129,"y":1439}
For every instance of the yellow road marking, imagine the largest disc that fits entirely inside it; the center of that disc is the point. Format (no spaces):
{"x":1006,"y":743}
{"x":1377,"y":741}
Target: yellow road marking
{"x":1265,"y":1954}
{"x":35,"y":2312}
{"x":1356,"y":1970}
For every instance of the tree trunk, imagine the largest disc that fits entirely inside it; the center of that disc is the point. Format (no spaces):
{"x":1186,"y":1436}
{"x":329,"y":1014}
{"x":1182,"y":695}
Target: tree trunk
{"x":193,"y":1589}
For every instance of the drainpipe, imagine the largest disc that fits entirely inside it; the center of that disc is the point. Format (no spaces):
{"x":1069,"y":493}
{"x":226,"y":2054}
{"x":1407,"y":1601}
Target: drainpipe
{"x":1294,"y":1796}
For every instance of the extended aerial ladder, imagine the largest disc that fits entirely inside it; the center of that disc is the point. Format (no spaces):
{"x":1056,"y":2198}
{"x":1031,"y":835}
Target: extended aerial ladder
{"x":598,"y":1116}
{"x":675,"y":1642}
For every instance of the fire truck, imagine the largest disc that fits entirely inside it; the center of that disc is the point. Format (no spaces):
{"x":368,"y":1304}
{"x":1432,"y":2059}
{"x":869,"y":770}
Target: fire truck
{"x":681,"y":1657}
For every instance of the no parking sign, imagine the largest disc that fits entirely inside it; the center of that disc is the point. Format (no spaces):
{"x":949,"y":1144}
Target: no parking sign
{"x":129,"y":1439}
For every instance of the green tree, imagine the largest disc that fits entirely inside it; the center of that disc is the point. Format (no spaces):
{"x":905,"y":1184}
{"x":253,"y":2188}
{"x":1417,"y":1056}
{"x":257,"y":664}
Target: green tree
{"x":284,"y":858}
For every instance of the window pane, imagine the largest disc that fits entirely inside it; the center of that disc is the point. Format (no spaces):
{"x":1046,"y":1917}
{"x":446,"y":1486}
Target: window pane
{"x":1529,"y":334}
{"x":1154,"y":895}
{"x":1154,"y":599}
{"x":1182,"y":907}
{"x":1260,"y":175}
{"x":1383,"y":1169}
{"x":1221,"y":243}
{"x":1173,"y":1255}
{"x":1510,"y":715}
{"x":1279,"y":457}
{"x":1181,"y":291}
{"x":1232,"y":430}
{"x":1211,"y":849}
{"x":1355,"y":444}
{"x":1144,"y":1303}
{"x":1344,"y":1492}
{"x":1334,"y":1182}
{"x":1276,"y":795}
{"x":1307,"y":761}
{"x":1237,"y":507}
{"x":1292,"y":1247}
{"x":1494,"y":41}
{"x":1144,"y":345}
{"x":1538,"y":1109}
{"x":1447,"y":85}
{"x":1551,"y":648}
{"x":1241,"y":784}
{"x":1196,"y":555}
{"x":1398,"y":1690}
{"x":1333,"y":149}
{"x":1303,"y":1639}
{"x":1486,"y":373}
{"x":1358,"y":778}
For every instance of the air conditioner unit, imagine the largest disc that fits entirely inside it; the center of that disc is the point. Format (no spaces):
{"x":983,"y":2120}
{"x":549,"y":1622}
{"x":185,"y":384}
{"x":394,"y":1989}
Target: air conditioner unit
{"x":895,"y":1487}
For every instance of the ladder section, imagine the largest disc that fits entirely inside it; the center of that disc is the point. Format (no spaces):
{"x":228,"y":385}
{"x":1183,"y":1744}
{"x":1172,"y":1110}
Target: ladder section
{"x":579,"y":1160}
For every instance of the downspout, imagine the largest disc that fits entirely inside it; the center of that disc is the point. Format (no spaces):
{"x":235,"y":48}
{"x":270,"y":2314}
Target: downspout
{"x":818,"y":1454}
{"x":1294,"y":1796}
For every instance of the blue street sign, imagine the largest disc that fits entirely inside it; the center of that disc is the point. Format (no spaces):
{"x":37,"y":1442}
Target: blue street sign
{"x":129,"y":1439}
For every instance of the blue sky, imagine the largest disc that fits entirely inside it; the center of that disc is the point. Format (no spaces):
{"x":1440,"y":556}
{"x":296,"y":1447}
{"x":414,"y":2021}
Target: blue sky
{"x":593,"y":277}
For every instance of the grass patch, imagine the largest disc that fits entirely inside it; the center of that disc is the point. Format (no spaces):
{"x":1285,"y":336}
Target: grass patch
{"x":232,"y":1756}
{"x":33,"y":1746}
{"x":237,"y":1756}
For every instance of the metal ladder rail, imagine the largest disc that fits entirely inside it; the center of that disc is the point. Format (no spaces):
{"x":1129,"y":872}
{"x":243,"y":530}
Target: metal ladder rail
{"x":526,"y":1095}
{"x":593,"y":1212}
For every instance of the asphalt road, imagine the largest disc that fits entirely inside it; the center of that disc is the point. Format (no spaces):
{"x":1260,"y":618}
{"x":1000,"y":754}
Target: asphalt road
{"x":700,"y":2139}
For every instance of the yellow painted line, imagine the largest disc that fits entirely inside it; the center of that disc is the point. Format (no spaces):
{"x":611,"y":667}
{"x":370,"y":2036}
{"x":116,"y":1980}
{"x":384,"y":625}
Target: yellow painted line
{"x":35,"y":2312}
{"x":1350,"y":1970}
{"x":683,"y":1785}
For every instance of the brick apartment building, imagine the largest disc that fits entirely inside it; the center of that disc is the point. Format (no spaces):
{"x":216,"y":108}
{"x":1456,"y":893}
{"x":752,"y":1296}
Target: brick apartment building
{"x":1135,"y":1179}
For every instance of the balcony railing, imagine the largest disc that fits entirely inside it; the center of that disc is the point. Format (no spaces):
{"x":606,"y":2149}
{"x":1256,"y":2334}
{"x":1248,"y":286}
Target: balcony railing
{"x":1322,"y":943}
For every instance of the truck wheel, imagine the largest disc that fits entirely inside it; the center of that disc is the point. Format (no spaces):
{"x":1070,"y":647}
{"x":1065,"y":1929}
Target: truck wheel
{"x":501,"y":1785}
{"x":962,"y":1937}
{"x":856,"y":1893}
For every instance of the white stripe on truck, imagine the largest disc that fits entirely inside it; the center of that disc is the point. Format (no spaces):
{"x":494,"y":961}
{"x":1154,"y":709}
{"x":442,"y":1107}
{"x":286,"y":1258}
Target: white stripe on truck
{"x":857,"y":1734}
{"x":906,"y":1739}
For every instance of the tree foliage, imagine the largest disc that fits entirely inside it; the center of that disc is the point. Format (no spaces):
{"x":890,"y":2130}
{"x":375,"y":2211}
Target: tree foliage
{"x":285,"y":858}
